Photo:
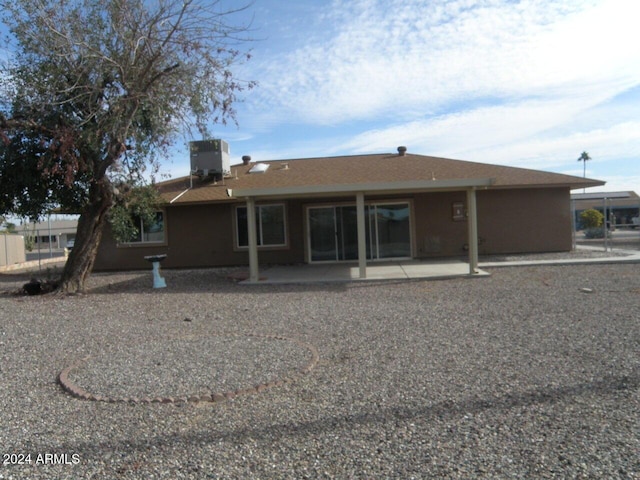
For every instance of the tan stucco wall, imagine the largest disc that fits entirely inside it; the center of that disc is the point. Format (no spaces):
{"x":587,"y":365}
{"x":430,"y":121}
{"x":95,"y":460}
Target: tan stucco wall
{"x":437,"y":234}
{"x":11,"y":250}
{"x":200,"y":236}
{"x":509,"y":221}
{"x":524,"y":221}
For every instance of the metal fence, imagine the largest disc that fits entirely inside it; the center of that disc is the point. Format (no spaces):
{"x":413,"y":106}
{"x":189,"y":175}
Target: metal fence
{"x":612,"y":237}
{"x":48,"y":243}
{"x":621,"y":228}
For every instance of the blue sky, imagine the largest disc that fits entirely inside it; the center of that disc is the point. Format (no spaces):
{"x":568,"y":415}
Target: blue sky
{"x":529,"y":83}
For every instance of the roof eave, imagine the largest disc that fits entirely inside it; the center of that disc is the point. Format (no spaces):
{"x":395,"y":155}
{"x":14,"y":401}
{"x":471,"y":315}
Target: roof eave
{"x":569,"y":185}
{"x":344,"y":189}
{"x":587,"y":184}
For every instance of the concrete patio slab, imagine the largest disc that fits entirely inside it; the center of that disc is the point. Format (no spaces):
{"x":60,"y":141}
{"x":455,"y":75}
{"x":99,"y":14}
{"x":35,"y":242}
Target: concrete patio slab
{"x":416,"y":269}
{"x":349,"y":272}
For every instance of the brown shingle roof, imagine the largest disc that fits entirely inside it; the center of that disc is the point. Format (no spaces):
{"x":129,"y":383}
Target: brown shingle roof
{"x":360,"y":169}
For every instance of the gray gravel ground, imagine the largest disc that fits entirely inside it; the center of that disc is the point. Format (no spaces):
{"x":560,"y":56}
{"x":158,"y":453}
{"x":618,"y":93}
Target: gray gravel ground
{"x":522,"y":374}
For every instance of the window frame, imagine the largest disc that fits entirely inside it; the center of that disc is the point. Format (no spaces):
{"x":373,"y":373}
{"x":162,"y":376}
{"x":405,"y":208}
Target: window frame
{"x":259,"y":232}
{"x":146,"y":243}
{"x":368,"y":203}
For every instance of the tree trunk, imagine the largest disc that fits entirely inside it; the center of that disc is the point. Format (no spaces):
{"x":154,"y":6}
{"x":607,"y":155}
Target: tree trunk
{"x":90,"y":226}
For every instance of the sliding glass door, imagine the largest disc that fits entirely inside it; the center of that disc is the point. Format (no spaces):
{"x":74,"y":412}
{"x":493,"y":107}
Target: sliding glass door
{"x":322,"y":234}
{"x":392,"y":229}
{"x":333,"y":232}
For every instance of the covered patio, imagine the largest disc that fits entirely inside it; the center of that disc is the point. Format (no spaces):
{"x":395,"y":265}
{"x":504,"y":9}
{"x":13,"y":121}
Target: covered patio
{"x":364,"y":269}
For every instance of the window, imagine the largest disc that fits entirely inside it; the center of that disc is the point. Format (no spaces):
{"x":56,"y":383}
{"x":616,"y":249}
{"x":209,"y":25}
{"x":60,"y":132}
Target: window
{"x":151,"y":233}
{"x":270,"y":226}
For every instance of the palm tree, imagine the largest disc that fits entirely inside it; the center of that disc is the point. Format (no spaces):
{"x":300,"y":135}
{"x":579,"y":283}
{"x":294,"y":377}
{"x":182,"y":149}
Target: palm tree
{"x":584,"y":157}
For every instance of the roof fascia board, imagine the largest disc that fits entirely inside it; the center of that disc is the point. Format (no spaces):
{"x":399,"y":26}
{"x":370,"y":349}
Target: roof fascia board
{"x":570,"y":186}
{"x":311,"y":190}
{"x":587,"y":185}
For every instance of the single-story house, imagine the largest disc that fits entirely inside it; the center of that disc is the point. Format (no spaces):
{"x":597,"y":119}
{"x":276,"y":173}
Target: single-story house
{"x":54,"y":232}
{"x":358,"y":208}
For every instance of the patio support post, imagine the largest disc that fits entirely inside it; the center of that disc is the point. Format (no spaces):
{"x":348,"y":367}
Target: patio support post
{"x":253,"y":240}
{"x":362,"y":235}
{"x":472,"y":219}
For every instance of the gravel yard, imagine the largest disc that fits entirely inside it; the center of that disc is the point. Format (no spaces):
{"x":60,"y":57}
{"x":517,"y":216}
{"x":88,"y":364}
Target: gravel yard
{"x":523,"y":374}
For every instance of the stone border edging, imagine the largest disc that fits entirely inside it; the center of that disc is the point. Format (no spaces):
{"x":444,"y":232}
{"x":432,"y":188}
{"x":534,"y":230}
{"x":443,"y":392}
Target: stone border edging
{"x":213,"y":397}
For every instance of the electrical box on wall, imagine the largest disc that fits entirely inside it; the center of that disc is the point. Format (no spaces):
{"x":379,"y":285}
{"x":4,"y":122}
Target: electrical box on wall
{"x":458,"y":211}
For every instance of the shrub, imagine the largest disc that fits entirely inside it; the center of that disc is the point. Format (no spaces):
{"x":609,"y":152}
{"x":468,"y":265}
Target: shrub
{"x":595,"y":233}
{"x":591,"y":218}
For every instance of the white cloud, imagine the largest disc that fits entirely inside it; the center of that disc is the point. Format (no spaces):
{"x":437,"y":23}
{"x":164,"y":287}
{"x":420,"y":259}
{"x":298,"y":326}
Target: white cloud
{"x":531,"y":131}
{"x":413,"y":58}
{"x":530,"y":83}
{"x":618,"y":183}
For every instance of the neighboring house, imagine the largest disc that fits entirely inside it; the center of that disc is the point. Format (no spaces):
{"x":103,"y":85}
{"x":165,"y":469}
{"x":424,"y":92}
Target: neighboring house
{"x":55,"y":233}
{"x":360,"y":208}
{"x":621,"y":207}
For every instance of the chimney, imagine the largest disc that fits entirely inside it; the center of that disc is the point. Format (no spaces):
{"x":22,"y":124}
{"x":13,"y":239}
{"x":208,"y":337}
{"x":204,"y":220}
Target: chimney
{"x":246,"y":159}
{"x":402,"y":151}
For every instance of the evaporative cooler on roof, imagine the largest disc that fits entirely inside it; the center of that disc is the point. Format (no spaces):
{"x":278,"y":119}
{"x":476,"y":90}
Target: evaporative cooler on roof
{"x":210,"y":158}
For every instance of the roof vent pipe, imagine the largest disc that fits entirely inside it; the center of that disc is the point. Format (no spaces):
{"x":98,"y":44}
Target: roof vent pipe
{"x":402,"y":151}
{"x":246,"y":159}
